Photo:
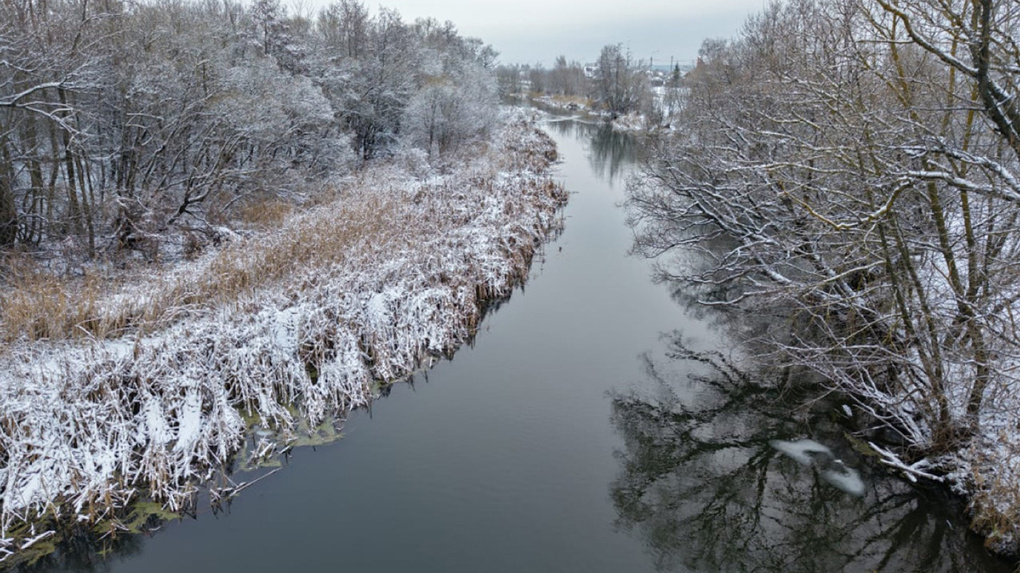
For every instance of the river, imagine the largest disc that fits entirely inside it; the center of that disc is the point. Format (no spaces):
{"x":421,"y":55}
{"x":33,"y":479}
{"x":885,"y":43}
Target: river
{"x":575,"y":434}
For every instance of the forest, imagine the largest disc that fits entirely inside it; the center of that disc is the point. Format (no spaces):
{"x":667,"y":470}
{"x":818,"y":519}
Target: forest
{"x":142,"y":127}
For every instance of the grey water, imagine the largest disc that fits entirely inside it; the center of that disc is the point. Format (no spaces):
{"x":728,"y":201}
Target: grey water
{"x":595,"y":424}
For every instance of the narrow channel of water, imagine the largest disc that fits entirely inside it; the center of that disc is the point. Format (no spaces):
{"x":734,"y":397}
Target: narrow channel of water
{"x":574,"y":435}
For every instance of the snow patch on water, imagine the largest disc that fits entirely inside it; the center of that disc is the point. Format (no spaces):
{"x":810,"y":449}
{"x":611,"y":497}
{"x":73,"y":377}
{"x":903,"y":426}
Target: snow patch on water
{"x":810,"y":453}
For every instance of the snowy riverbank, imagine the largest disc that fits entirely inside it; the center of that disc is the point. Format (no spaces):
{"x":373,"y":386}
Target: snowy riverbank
{"x":634,"y":122}
{"x":285,"y":329}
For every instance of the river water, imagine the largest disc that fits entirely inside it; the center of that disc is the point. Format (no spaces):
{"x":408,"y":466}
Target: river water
{"x":578,"y":433}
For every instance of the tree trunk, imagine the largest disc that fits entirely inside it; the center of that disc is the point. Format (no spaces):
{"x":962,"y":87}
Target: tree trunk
{"x":8,"y":210}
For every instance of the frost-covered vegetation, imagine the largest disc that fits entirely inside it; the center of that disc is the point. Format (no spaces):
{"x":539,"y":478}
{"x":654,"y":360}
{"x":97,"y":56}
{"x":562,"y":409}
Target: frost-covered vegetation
{"x":220,"y":221}
{"x":617,"y":88}
{"x":279,"y":330}
{"x":143,"y":127}
{"x":851,"y":167}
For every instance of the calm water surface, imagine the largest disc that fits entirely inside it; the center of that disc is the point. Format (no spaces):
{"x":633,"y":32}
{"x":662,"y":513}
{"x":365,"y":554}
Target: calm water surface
{"x":575,"y":435}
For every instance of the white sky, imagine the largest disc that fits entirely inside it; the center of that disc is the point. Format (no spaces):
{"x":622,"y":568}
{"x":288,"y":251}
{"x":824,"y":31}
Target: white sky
{"x":529,"y":31}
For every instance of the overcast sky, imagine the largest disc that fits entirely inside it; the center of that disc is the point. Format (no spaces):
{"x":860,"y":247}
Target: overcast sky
{"x":529,"y":31}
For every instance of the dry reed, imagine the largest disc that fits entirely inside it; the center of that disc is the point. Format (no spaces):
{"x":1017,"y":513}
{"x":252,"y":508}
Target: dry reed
{"x":288,"y":326}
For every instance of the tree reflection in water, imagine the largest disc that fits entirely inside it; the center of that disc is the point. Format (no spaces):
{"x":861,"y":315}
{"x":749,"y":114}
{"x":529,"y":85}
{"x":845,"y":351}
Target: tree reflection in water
{"x":702,"y":485}
{"x":610,"y":152}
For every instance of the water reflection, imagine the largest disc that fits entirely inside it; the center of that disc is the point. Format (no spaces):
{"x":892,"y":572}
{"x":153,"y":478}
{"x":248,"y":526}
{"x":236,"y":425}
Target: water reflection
{"x":502,"y":462}
{"x":81,"y":550}
{"x":704,"y":489}
{"x":610,"y":152}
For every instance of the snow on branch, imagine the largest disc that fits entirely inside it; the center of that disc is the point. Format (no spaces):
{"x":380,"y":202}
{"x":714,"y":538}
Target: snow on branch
{"x":912,"y":471}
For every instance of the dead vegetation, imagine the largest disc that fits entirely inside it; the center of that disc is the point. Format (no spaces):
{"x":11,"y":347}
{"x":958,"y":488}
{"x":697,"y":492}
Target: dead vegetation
{"x":113,"y":389}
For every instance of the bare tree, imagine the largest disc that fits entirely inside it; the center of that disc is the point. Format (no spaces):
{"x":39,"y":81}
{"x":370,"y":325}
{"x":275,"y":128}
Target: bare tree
{"x":617,"y":85}
{"x":123,"y":124}
{"x":344,"y":27}
{"x":835,"y":161}
{"x":508,"y":80}
{"x":537,"y":78}
{"x":567,"y":78}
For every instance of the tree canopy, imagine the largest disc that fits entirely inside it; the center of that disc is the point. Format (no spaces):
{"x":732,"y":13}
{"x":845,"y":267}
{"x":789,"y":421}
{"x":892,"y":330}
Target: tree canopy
{"x":121,"y":120}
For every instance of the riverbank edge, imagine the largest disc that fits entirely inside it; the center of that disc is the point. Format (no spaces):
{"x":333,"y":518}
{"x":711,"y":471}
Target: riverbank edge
{"x":982,"y":473}
{"x":634,"y":123}
{"x":93,"y":427}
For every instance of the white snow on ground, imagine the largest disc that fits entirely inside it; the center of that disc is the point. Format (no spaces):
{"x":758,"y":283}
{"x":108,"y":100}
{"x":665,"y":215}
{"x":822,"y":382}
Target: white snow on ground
{"x":84,"y":425}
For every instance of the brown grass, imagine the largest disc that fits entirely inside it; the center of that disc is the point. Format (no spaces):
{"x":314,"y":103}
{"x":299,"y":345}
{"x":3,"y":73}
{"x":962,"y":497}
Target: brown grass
{"x":39,"y":306}
{"x":340,"y":224}
{"x":292,"y":325}
{"x":995,"y":501}
{"x":264,"y":214}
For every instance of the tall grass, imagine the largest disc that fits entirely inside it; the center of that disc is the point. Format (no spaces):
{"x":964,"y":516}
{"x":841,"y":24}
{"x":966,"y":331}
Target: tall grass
{"x":373,"y":214}
{"x":111,"y":387}
{"x":40,"y":306}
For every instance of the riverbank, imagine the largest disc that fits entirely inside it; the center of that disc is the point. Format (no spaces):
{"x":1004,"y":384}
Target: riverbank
{"x":957,"y":430}
{"x":275,"y":331}
{"x":634,"y":122}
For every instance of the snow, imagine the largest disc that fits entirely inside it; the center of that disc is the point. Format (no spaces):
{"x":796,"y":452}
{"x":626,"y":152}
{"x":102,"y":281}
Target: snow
{"x":85,"y":425}
{"x":804,"y":452}
{"x":845,"y":479}
{"x":811,"y":453}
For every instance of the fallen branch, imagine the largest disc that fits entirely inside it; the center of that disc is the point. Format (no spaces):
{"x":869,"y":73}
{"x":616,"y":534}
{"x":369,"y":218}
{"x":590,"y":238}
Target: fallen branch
{"x":912,"y":471}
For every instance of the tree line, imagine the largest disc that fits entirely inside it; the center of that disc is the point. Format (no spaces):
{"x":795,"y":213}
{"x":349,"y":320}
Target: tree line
{"x":856,"y":164}
{"x":616,"y":83}
{"x":122,"y":121}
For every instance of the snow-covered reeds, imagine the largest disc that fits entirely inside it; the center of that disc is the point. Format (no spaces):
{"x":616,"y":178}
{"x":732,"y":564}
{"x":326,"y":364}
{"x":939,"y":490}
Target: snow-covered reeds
{"x":291,"y":326}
